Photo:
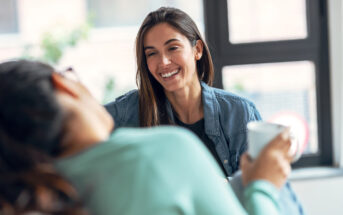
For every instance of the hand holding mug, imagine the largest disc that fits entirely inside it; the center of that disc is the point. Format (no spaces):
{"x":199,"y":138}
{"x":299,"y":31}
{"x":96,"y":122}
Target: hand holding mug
{"x":261,"y":133}
{"x":272,"y":163}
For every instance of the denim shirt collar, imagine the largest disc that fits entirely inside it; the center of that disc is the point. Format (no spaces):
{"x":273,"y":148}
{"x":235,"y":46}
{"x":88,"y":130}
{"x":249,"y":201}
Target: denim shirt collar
{"x":211,"y":111}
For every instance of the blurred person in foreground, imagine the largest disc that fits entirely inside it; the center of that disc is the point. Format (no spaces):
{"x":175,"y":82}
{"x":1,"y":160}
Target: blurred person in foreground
{"x":174,"y":77}
{"x":58,"y":156}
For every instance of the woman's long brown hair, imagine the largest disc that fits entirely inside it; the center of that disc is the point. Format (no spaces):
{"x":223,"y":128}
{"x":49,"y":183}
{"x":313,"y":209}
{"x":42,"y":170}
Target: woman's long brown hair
{"x":152,"y":100}
{"x":31,"y":123}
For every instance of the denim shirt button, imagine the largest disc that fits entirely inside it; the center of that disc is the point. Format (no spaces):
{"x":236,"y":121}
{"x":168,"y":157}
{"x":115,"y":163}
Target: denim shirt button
{"x":226,"y":161}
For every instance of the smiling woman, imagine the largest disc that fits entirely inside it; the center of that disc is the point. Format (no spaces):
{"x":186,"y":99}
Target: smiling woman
{"x":174,"y":78}
{"x":174,"y":71}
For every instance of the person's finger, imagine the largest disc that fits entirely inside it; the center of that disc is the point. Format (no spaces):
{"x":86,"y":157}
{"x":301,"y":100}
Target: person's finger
{"x":286,"y":168}
{"x":281,"y":141}
{"x":246,"y":165}
{"x":285,"y":145}
{"x":288,"y":155}
{"x":284,"y":148}
{"x":242,"y":161}
{"x":245,"y":161}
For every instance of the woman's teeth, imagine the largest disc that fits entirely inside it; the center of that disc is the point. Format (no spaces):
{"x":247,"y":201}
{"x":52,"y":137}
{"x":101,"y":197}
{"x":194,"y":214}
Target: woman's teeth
{"x":167,"y":75}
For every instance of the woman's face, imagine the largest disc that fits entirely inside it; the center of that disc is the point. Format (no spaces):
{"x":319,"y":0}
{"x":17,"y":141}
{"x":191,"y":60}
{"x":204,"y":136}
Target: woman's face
{"x":171,"y":58}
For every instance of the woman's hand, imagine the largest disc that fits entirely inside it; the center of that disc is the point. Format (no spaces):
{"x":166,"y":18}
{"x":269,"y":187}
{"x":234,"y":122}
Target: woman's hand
{"x":273,"y":163}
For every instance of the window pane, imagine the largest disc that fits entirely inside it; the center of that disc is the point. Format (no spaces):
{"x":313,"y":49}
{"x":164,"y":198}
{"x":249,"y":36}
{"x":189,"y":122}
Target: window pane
{"x":8,"y":16}
{"x":106,"y":13}
{"x":284,"y":93}
{"x":267,"y":20}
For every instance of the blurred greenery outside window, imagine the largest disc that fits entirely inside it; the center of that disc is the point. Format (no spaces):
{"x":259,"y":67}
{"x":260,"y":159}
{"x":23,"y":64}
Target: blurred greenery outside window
{"x":53,"y":44}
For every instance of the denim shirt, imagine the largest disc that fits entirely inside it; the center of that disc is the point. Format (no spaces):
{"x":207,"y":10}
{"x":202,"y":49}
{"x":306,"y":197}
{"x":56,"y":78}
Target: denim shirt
{"x":225,"y":116}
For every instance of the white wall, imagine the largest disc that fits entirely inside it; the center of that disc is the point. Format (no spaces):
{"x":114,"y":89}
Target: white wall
{"x":320,"y":196}
{"x":325,"y":195}
{"x":336,"y":69}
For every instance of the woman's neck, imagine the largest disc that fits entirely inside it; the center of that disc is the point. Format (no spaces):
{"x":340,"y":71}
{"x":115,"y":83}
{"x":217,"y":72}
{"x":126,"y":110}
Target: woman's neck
{"x":187,"y":103}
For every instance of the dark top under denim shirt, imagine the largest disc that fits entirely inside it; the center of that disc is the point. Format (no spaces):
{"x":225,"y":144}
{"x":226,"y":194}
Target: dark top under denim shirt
{"x":198,"y":128}
{"x":225,"y":116}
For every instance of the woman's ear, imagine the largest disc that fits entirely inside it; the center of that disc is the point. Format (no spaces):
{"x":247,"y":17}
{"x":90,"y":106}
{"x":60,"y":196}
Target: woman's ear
{"x":64,"y":85}
{"x":199,"y":47}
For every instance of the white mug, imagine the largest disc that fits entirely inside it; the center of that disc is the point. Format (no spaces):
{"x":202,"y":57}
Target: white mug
{"x":261,"y":133}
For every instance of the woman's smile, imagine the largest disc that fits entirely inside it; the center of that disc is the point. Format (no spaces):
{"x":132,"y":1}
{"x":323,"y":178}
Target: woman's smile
{"x":166,"y":75}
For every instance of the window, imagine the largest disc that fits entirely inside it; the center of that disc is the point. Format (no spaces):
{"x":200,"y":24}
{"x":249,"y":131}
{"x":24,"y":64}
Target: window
{"x":284,"y":93}
{"x":271,"y":20}
{"x":111,"y":13}
{"x":275,"y":53}
{"x":8,"y":17}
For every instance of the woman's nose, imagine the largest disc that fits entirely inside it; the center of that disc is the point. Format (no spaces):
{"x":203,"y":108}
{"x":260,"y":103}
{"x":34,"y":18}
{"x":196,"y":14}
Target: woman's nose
{"x":165,"y":59}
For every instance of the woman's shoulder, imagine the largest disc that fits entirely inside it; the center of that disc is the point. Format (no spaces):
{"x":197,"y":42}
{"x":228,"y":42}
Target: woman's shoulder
{"x":128,"y":99}
{"x":124,"y":109}
{"x":144,"y":157}
{"x":137,"y":144}
{"x":226,"y":97}
{"x":131,"y":96}
{"x":231,"y":107}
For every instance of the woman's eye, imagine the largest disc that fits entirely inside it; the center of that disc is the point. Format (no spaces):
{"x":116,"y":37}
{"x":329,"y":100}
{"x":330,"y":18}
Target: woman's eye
{"x":173,"y":48}
{"x":150,"y":54}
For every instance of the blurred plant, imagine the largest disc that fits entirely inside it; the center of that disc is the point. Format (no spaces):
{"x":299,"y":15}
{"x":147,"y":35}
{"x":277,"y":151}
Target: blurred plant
{"x":54,"y":44}
{"x":238,"y":87}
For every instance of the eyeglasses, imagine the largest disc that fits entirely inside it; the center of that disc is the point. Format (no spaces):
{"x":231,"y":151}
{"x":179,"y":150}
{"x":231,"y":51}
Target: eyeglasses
{"x":70,"y":74}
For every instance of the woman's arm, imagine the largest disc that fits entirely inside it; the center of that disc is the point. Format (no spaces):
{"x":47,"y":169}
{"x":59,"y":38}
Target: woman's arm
{"x":189,"y":181}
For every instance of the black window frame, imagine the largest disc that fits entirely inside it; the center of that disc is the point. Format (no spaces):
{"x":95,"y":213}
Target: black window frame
{"x":314,"y":48}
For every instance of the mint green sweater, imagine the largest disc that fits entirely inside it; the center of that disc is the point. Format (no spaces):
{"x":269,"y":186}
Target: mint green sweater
{"x":164,"y":170}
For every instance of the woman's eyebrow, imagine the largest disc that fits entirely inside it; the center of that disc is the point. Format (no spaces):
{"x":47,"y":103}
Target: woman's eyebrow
{"x":171,"y":40}
{"x":148,"y":47}
{"x":166,"y":43}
